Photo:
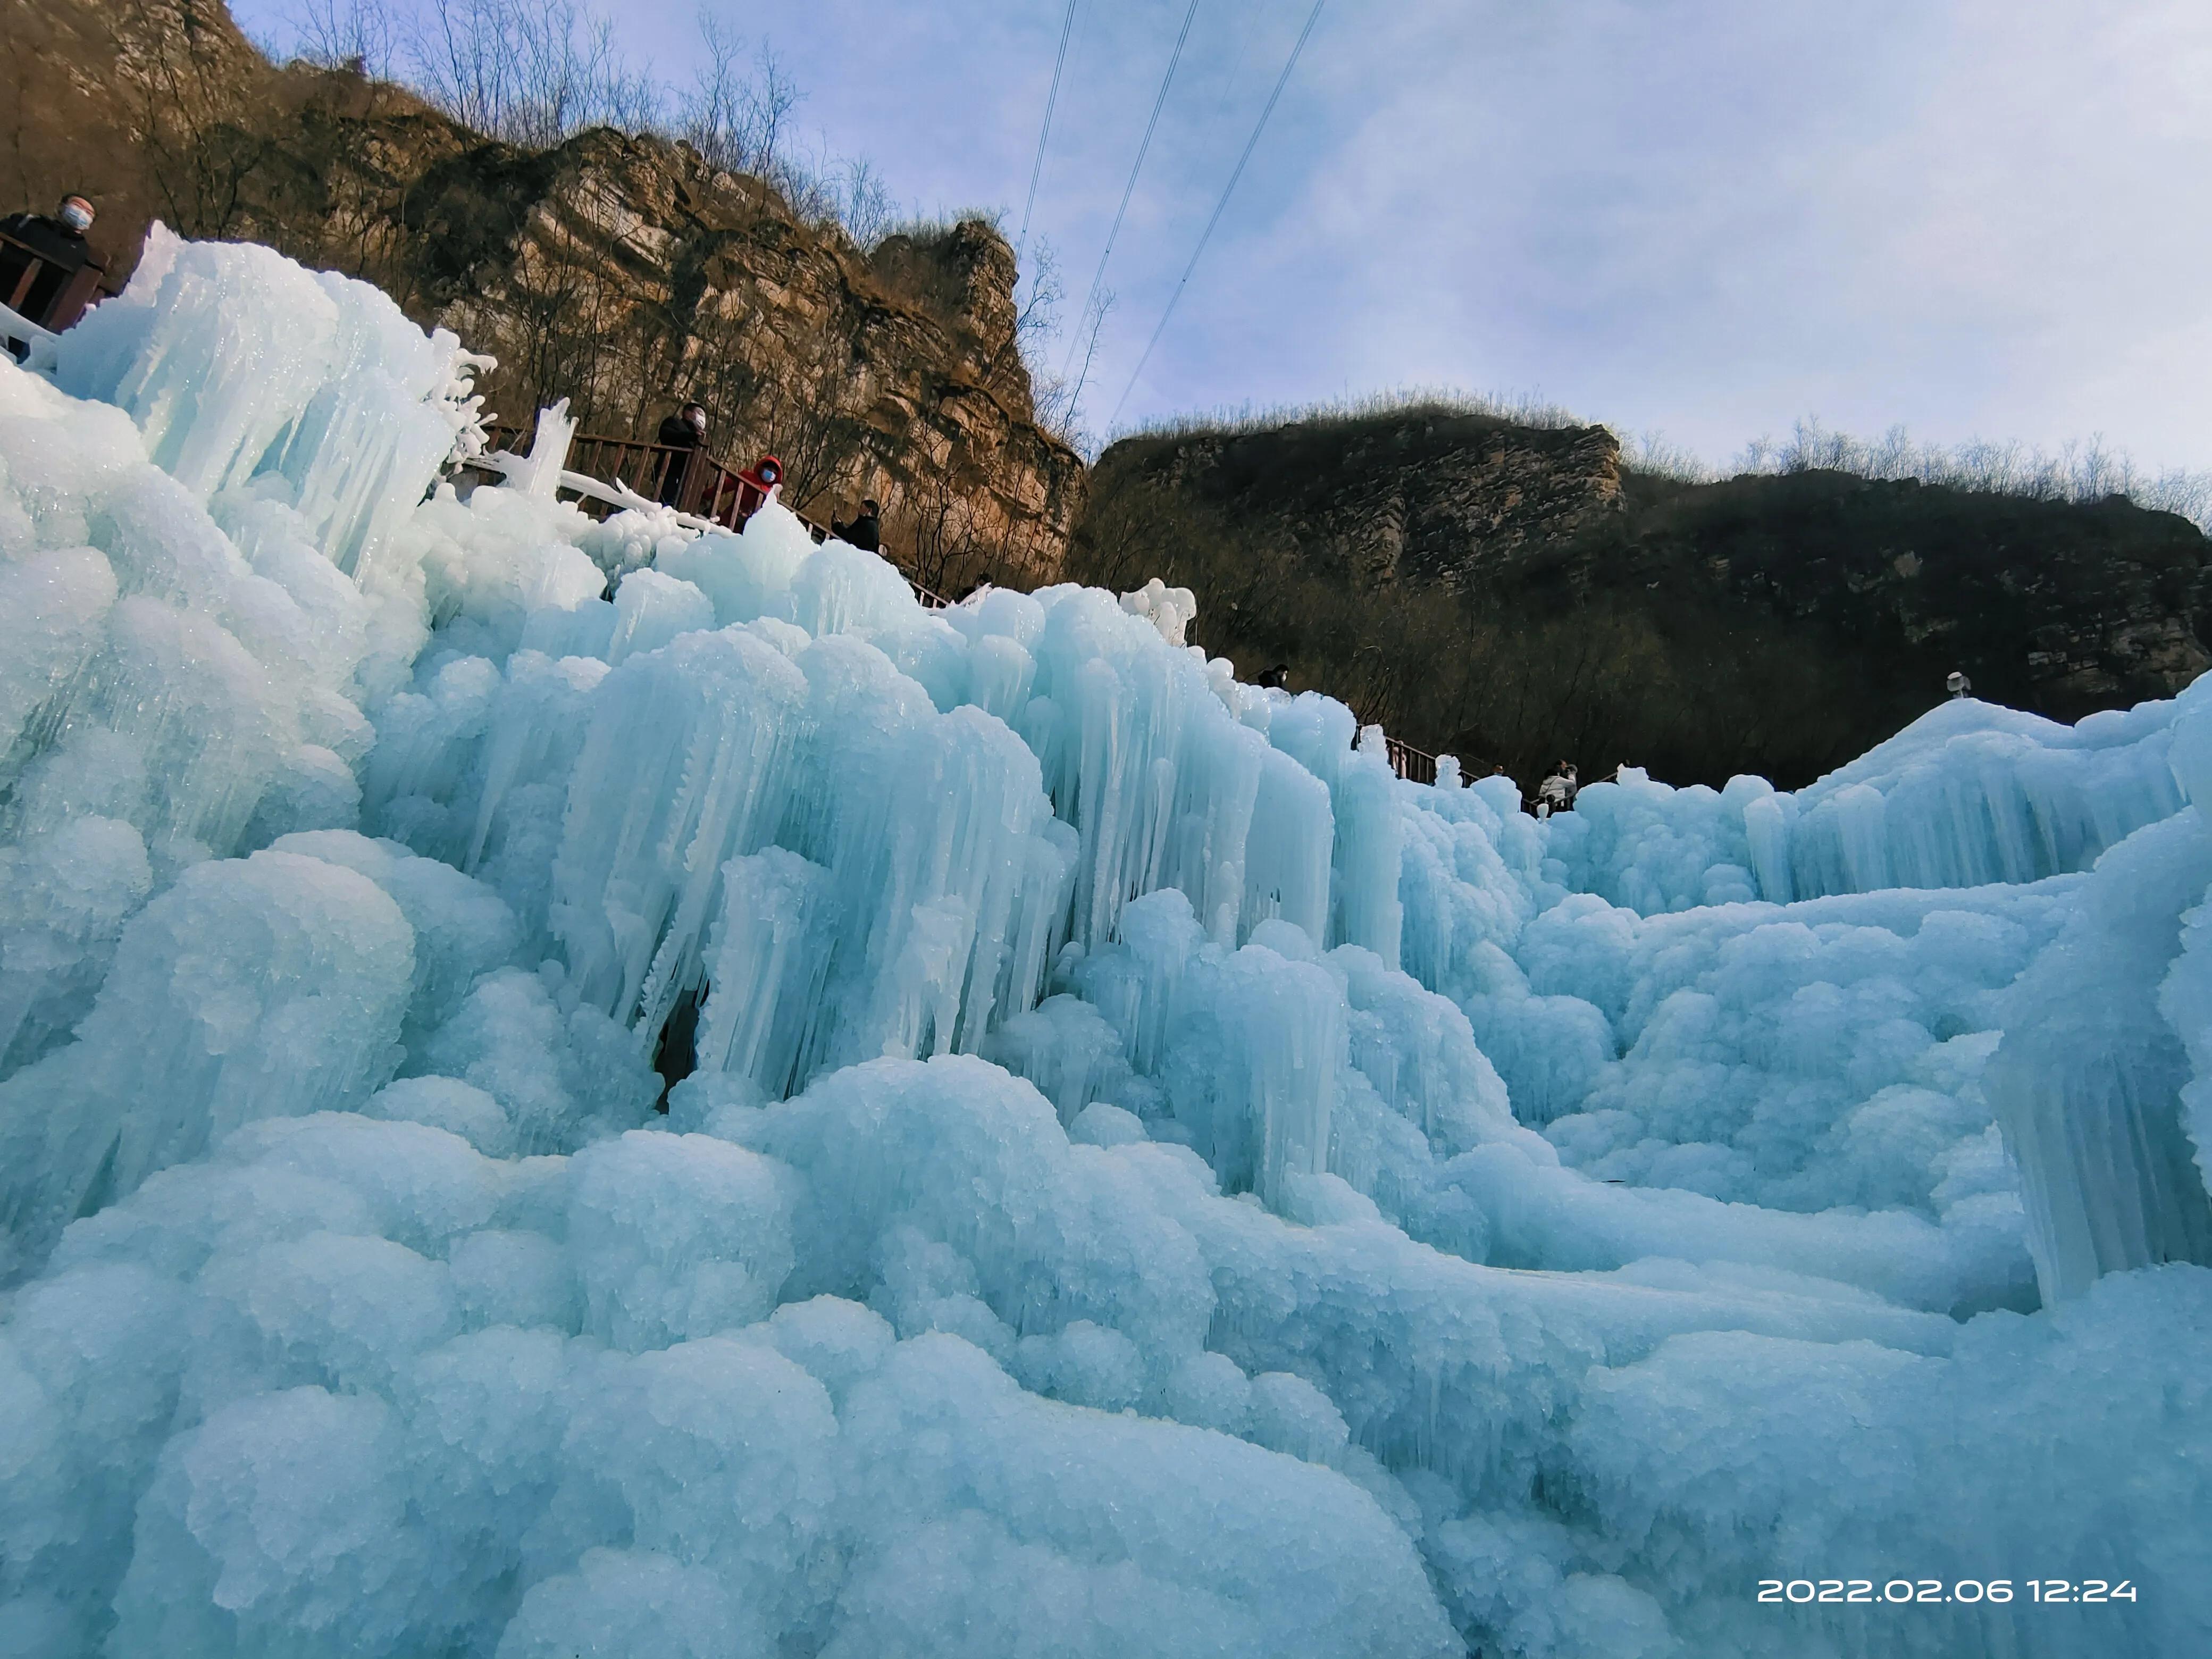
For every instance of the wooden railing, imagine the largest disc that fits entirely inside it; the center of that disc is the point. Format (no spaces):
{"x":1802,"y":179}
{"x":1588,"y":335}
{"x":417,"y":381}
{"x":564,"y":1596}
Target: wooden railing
{"x":66,"y":304}
{"x":1414,"y":765}
{"x":643,"y":467}
{"x":711,"y":489}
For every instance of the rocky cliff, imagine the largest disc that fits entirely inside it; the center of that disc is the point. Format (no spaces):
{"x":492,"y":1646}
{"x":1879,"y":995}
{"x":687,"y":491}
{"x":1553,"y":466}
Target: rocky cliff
{"x":1434,"y":497}
{"x":1515,"y":593}
{"x":619,"y":272}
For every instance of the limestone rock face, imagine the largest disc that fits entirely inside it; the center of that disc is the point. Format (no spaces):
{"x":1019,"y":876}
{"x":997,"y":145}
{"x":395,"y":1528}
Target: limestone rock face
{"x":896,"y":376}
{"x":620,"y":271}
{"x":1427,"y":497}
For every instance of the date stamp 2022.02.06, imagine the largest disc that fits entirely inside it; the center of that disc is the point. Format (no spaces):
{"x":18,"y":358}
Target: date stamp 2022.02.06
{"x":2072,"y":1592}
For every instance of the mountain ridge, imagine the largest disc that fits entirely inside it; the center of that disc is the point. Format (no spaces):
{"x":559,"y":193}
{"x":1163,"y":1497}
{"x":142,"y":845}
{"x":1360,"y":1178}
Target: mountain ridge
{"x":1769,"y":623}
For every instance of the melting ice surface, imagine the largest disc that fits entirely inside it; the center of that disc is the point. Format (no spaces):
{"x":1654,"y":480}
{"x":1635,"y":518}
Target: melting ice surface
{"x":1153,"y":1183}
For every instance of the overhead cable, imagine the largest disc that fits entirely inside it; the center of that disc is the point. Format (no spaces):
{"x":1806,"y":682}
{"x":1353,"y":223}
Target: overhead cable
{"x":1220,"y":206}
{"x":1036,"y":167}
{"x":1130,"y":189}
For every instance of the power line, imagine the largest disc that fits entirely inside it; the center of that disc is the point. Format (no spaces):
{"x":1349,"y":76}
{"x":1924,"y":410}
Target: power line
{"x":1036,"y":167}
{"x":1130,"y":189}
{"x":1220,"y":206}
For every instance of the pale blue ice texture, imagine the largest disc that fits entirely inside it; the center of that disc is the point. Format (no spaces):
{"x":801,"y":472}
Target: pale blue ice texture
{"x":1155,"y":1182}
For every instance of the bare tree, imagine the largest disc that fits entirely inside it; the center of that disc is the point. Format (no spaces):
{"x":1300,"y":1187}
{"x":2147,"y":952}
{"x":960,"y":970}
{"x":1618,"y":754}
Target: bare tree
{"x":1059,"y":404}
{"x":529,"y":74}
{"x":189,"y":120}
{"x":864,"y":207}
{"x":738,"y":112}
{"x":933,"y":521}
{"x":362,"y":35}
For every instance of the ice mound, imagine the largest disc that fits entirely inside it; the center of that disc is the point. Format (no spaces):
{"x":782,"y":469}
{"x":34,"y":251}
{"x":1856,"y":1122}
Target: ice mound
{"x":1968,"y":795}
{"x":1134,"y":1176}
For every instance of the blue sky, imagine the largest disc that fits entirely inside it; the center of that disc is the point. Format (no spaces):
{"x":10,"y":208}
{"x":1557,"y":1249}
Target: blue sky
{"x":1702,"y":218}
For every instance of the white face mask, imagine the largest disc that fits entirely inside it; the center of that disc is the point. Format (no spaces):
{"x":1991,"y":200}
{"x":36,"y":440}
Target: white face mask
{"x":77,"y":218}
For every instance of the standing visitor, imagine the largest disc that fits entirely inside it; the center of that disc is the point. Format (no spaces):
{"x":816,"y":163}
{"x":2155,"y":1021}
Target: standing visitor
{"x":1552,"y":795}
{"x":41,"y":262}
{"x":865,"y":529}
{"x":684,"y":432}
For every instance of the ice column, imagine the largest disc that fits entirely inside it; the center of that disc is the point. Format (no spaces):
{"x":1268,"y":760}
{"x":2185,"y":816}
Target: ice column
{"x":1970,"y":794}
{"x":1369,"y":836}
{"x":540,"y":474}
{"x":1254,"y":1066}
{"x":372,"y":440}
{"x":214,"y":349}
{"x":235,"y":361}
{"x":683,"y":767}
{"x":1287,"y":861}
{"x":765,"y":962}
{"x":949,"y":877}
{"x":2087,"y":1083}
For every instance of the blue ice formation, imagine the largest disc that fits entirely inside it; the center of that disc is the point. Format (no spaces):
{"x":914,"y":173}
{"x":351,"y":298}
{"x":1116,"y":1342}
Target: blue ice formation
{"x":1154,"y":1182}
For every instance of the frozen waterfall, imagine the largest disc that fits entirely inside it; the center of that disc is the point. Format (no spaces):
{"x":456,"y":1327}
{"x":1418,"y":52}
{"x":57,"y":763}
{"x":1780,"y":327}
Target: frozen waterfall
{"x":1153,"y":1181}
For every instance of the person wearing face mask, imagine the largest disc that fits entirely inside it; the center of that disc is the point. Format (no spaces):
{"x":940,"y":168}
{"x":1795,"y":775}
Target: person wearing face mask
{"x":47,"y":271}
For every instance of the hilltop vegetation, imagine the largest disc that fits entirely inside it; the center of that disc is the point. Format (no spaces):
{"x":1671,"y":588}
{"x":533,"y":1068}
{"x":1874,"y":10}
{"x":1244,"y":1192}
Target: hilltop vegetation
{"x":1512,"y":592}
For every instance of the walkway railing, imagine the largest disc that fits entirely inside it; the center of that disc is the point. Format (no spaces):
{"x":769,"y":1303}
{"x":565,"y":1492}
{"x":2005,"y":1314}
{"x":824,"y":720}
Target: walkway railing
{"x":1414,"y":765}
{"x":712,"y":489}
{"x":708,"y":489}
{"x":24,"y":265}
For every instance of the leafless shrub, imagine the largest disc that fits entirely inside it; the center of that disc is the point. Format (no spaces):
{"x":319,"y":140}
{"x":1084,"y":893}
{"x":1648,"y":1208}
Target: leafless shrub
{"x":362,"y":35}
{"x":1522,"y":408}
{"x":184,"y":82}
{"x":2079,"y":471}
{"x":1653,"y":455}
{"x":737,"y":113}
{"x":531,"y":73}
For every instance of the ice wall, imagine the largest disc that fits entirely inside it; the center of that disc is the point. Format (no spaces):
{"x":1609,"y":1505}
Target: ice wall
{"x":1147,"y":1180}
{"x":238,"y":365}
{"x":1966,"y":795}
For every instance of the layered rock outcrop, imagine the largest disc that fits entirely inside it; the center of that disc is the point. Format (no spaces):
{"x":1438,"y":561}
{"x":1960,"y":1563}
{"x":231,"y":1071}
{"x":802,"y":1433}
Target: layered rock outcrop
{"x":1430,"y":497}
{"x":621,"y":272}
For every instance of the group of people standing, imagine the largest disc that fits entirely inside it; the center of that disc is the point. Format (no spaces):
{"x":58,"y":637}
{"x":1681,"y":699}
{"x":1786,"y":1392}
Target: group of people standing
{"x":686,"y":434}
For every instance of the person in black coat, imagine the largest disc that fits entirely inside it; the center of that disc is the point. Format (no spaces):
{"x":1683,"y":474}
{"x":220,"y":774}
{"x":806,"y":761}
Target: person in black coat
{"x":684,"y":432}
{"x":865,"y":530}
{"x":57,"y":251}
